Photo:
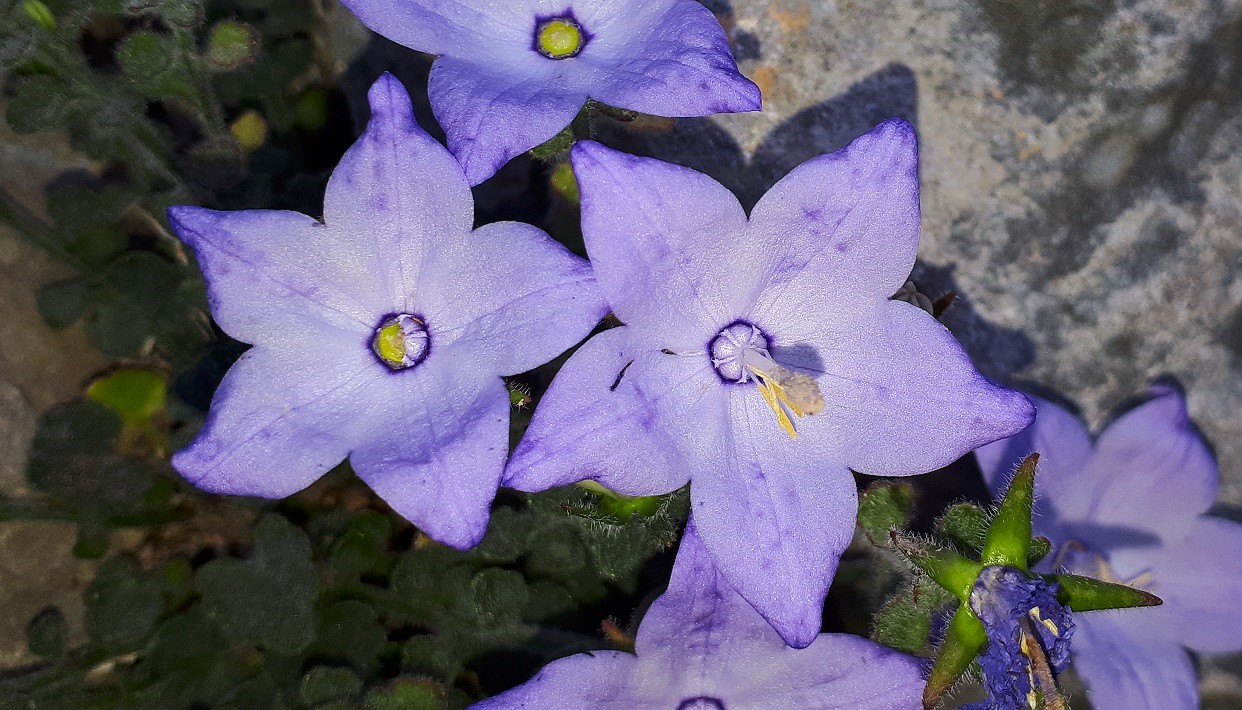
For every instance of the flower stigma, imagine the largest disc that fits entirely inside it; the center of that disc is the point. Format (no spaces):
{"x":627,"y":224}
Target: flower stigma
{"x":401,"y":341}
{"x":740,"y":353}
{"x":559,"y":38}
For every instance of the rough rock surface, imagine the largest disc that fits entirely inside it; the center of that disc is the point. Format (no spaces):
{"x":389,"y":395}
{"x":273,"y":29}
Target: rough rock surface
{"x":1082,"y":187}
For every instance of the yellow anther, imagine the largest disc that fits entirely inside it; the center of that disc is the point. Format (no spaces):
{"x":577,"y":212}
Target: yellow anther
{"x":559,"y":39}
{"x":771,"y":394}
{"x":795,"y":390}
{"x":390,"y":344}
{"x":1047,"y":623}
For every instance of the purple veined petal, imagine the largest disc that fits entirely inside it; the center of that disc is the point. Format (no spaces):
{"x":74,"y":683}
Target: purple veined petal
{"x":281,"y":419}
{"x":267,"y":273}
{"x":1064,"y":447}
{"x":492,"y":113}
{"x":775,"y":514}
{"x":1199,"y":577}
{"x":699,"y":614}
{"x":637,"y":408}
{"x":902,"y":397}
{"x":509,"y":296}
{"x":437,"y":457}
{"x":666,"y":244}
{"x":397,"y":192}
{"x":836,"y":671}
{"x":1151,"y":469}
{"x":608,"y":680}
{"x":841,"y":226}
{"x":668,"y":58}
{"x":445,"y":26}
{"x":1125,"y":668}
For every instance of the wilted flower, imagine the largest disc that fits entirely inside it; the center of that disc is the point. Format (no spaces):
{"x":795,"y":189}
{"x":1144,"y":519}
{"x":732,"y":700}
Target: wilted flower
{"x":513,"y":73}
{"x":1028,"y":632}
{"x":761,"y":359}
{"x":702,"y":647}
{"x":380,"y":333}
{"x":1130,"y":508}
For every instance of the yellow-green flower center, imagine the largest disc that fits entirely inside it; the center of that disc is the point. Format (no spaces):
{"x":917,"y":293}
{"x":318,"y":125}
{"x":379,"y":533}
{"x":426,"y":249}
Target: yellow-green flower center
{"x":401,"y":341}
{"x":559,"y":39}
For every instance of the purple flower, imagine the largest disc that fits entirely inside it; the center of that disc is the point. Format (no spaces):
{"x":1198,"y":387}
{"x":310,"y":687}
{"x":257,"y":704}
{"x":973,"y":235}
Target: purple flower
{"x":513,"y":73}
{"x":1028,"y":631}
{"x":702,"y":647}
{"x":735,"y":328}
{"x":1128,"y":508}
{"x":381,"y":332}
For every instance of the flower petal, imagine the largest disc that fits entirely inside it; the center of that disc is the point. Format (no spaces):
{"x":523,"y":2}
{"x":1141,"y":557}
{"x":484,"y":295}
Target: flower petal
{"x":608,"y":680}
{"x":1200,"y":580}
{"x":491,"y":114}
{"x":437,"y":458}
{"x":395,"y":193}
{"x":509,"y":296}
{"x":1126,"y":669}
{"x":1064,"y":447}
{"x":902,"y":396}
{"x":836,"y":671}
{"x":668,"y":58}
{"x":281,"y":419}
{"x":1151,"y":468}
{"x":775,"y":513}
{"x":265,"y":272}
{"x":439,"y":27}
{"x":666,"y":244}
{"x":841,"y":226}
{"x":633,"y":406}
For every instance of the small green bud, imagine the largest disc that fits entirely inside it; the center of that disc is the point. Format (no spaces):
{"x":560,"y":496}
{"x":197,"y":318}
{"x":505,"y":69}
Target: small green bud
{"x":40,"y":13}
{"x":323,"y":684}
{"x":312,"y":109}
{"x":249,"y":130}
{"x":622,"y":507}
{"x":232,"y":44}
{"x":966,"y":524}
{"x":565,"y":183}
{"x":885,"y":505}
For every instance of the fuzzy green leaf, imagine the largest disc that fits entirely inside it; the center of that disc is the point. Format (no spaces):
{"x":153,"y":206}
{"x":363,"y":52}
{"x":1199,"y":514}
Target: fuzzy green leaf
{"x":966,"y":524}
{"x":884,"y":506}
{"x":1088,"y":594}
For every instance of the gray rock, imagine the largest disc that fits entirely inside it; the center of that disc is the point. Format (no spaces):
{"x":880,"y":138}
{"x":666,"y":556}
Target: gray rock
{"x":1082,"y":188}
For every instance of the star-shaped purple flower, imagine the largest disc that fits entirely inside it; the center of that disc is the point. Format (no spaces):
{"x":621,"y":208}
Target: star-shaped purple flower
{"x":1129,"y":508}
{"x":702,"y":647}
{"x":735,"y":328}
{"x":381,"y":333}
{"x":513,"y":73}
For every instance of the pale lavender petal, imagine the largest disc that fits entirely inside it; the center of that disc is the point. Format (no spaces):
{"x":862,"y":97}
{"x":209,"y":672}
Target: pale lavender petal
{"x":617,"y":413}
{"x":437,"y":457}
{"x":608,"y":680}
{"x":1200,"y":580}
{"x":268,"y":275}
{"x":397,"y":192}
{"x":508,"y":298}
{"x":775,"y":513}
{"x":446,"y":26}
{"x":1127,"y":669}
{"x":1064,"y":447}
{"x":836,"y":671}
{"x":841,"y":228}
{"x":902,"y":396}
{"x":491,"y":114}
{"x":1151,"y":469}
{"x":281,"y":419}
{"x":668,"y":59}
{"x":666,"y":245}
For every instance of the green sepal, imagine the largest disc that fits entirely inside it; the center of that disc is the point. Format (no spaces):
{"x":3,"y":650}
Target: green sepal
{"x":963,"y":641}
{"x":620,"y":506}
{"x":1041,"y":547}
{"x":1088,"y":594}
{"x":1009,"y":539}
{"x":884,"y":506}
{"x":557,"y":145}
{"x":947,"y":568}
